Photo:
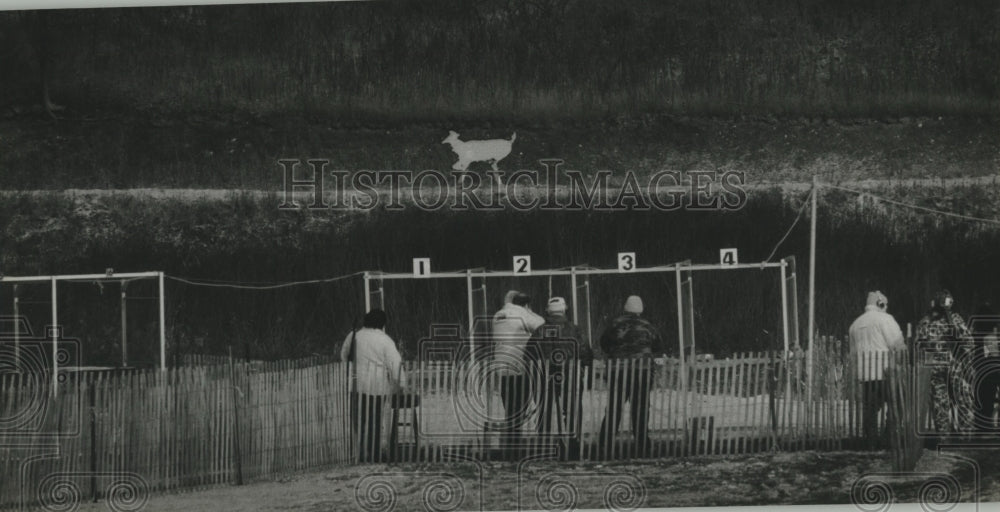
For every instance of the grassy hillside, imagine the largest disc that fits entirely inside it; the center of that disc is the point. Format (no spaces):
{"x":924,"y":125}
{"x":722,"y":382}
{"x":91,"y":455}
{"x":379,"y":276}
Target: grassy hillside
{"x":499,"y":60}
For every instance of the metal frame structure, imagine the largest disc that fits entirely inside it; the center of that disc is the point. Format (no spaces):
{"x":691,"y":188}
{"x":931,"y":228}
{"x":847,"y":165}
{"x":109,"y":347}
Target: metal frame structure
{"x":681,"y":270}
{"x":108,"y":276}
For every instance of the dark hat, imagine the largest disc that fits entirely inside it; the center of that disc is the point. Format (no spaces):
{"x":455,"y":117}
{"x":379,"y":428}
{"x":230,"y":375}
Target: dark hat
{"x":375,"y":319}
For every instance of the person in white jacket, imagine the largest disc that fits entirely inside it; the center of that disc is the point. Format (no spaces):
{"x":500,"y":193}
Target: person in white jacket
{"x":513,"y":326}
{"x":873,"y":336}
{"x":378,"y":374}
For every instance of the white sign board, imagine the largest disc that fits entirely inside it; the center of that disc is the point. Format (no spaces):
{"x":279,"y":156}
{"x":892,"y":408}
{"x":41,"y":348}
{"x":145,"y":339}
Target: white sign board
{"x":626,"y":261}
{"x":728,"y":257}
{"x":421,"y":267}
{"x":522,"y":264}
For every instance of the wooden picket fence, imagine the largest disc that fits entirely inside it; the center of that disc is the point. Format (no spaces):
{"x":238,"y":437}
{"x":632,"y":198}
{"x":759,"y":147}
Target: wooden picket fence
{"x":229,"y":421}
{"x":182,"y":428}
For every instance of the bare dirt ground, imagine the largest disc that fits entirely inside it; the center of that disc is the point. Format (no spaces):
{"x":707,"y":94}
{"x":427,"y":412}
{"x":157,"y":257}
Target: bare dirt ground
{"x":780,"y":478}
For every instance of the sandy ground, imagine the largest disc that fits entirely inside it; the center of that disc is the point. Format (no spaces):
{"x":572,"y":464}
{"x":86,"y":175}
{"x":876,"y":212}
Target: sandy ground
{"x":793,"y":478}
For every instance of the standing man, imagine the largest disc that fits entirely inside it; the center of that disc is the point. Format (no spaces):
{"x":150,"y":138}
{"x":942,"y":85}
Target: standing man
{"x":633,"y":340}
{"x":940,"y":332}
{"x":512,"y":327}
{"x":557,"y":350}
{"x":378,"y":374}
{"x":873,"y":336}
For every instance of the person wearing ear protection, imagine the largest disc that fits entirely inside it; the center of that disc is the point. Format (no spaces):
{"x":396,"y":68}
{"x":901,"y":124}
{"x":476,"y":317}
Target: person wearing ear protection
{"x":873,"y":336}
{"x":940,"y":334}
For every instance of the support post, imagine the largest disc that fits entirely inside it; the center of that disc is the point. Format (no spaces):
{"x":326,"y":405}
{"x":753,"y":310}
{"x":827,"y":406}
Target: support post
{"x":163,"y":324}
{"x":124,"y":312}
{"x":680,"y":327}
{"x":784,"y":308}
{"x":787,"y":402}
{"x":812,"y":286}
{"x":572,"y":285}
{"x":55,"y":339}
{"x":17,"y":326}
{"x":470,"y":304}
{"x":368,"y":297}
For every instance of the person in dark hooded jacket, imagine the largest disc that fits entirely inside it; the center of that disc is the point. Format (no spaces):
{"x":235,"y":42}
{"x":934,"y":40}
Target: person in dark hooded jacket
{"x":559,"y":353}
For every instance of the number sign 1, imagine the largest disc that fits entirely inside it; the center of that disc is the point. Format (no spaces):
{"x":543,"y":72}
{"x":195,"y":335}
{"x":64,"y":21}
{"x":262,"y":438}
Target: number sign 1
{"x":421,"y":267}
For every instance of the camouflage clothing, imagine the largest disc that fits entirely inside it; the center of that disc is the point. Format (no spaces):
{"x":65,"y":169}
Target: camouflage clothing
{"x":942,"y":334}
{"x":942,"y":328}
{"x":631,"y":336}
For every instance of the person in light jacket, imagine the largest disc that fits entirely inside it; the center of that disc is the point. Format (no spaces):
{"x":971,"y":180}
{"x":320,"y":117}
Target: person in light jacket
{"x":512,"y":328}
{"x":378,"y":374}
{"x":873,"y":336}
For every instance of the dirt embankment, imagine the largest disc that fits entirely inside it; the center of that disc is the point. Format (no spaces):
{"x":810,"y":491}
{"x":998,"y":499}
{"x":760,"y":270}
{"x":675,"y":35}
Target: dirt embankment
{"x":151,"y":151}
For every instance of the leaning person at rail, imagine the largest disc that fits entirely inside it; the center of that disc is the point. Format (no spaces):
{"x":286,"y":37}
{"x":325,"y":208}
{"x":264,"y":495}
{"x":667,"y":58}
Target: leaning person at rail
{"x":631,"y":340}
{"x":378,"y":374}
{"x":556,"y":351}
{"x":512,"y":327}
{"x":873,"y":336}
{"x":941,"y":333}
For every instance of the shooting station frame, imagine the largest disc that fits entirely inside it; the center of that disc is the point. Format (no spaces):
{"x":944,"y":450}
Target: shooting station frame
{"x":54,"y":330}
{"x":683,"y":280}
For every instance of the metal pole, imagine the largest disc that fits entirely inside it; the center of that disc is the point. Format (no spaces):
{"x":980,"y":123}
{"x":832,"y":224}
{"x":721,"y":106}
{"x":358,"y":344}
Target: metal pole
{"x":471,"y":316}
{"x":368,"y":299}
{"x":812,"y":284}
{"x":572,"y":285}
{"x":124,"y":311}
{"x":163,"y":325}
{"x":784,"y":307}
{"x":55,"y":339}
{"x":590,"y":319}
{"x":17,"y":326}
{"x":680,"y":325}
{"x":787,"y":402}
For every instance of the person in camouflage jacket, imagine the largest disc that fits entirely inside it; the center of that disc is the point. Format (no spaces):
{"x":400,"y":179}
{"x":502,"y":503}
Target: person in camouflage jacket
{"x":630,"y":342}
{"x":942,"y":334}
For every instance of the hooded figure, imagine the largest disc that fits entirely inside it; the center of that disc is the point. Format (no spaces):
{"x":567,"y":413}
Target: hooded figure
{"x":940,"y":333}
{"x":873,"y":337}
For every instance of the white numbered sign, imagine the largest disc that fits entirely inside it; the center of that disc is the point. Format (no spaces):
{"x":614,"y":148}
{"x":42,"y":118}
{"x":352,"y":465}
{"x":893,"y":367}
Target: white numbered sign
{"x":728,"y":257}
{"x":421,"y":267}
{"x":522,"y":264}
{"x":626,"y":261}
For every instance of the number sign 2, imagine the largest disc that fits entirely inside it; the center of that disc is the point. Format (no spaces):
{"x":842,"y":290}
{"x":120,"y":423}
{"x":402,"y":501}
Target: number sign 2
{"x":522,"y":264}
